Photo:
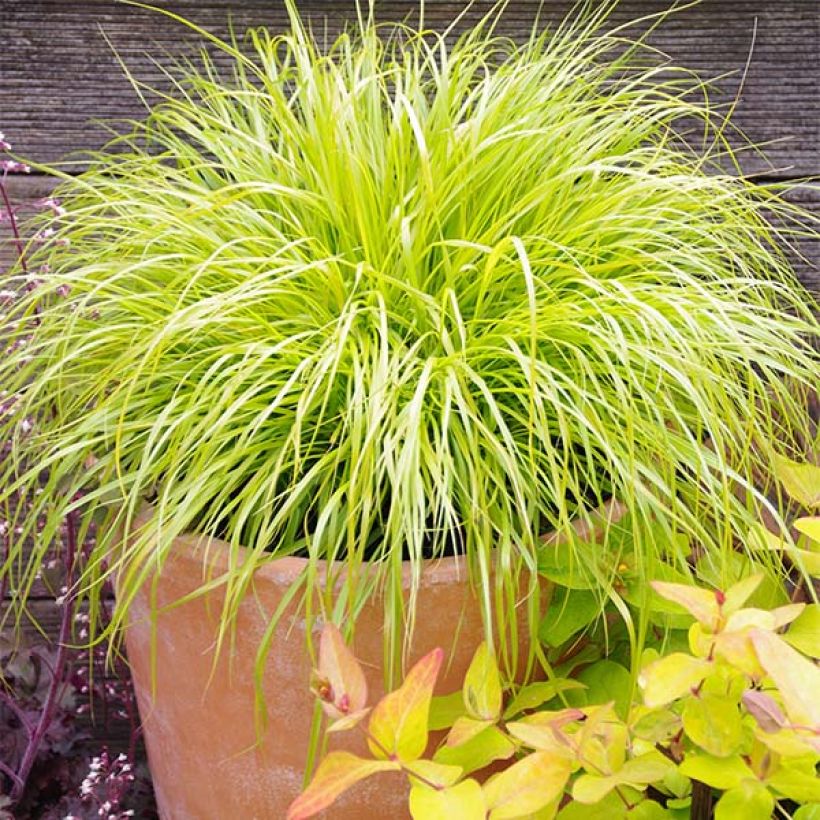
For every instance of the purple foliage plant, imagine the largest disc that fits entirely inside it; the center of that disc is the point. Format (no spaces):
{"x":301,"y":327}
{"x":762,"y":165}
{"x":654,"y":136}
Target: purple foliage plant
{"x":51,"y":692}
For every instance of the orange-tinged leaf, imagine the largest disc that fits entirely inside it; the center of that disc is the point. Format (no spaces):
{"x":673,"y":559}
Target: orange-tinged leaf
{"x":543,"y":738}
{"x":336,"y":773}
{"x":465,"y":729}
{"x":701,"y":603}
{"x":670,"y":677}
{"x":348,"y":721}
{"x":736,"y":649}
{"x":339,"y":681}
{"x":464,"y":801}
{"x":796,"y":677}
{"x":558,"y":718}
{"x":398,"y":723}
{"x":527,"y":786}
{"x":482,"y":686}
{"x":784,"y":615}
{"x":744,"y":618}
{"x":437,"y":774}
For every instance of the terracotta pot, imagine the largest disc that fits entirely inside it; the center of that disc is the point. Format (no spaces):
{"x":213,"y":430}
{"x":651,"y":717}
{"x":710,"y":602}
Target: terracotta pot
{"x":199,"y":719}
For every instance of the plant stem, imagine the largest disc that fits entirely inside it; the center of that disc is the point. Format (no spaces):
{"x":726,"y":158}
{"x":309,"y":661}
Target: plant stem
{"x":15,"y":231}
{"x":57,"y":672}
{"x":701,"y":801}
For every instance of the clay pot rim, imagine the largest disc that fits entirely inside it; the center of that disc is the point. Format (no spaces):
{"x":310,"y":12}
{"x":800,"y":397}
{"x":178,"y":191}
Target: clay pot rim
{"x":199,"y":550}
{"x":288,"y":569}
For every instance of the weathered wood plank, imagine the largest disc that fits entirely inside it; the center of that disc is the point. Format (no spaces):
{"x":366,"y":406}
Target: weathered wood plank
{"x":57,"y":72}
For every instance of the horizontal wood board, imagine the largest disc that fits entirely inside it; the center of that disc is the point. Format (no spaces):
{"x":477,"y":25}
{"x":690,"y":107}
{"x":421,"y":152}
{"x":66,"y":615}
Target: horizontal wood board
{"x":57,"y":70}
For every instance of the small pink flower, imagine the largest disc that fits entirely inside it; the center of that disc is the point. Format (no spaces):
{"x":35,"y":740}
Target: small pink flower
{"x":11,"y":166}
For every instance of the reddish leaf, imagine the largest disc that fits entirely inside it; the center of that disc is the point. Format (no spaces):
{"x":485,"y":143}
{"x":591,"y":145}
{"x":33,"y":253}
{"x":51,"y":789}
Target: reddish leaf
{"x":701,"y":603}
{"x":797,"y":678}
{"x":339,"y":681}
{"x":764,"y":710}
{"x":336,"y":773}
{"x":465,"y":729}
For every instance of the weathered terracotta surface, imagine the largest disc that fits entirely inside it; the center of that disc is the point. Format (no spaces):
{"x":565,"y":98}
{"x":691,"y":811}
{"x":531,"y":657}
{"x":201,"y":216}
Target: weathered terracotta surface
{"x":199,"y":724}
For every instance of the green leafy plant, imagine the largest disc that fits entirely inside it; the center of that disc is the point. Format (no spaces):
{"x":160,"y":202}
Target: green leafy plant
{"x":401,"y":298}
{"x":736,"y":713}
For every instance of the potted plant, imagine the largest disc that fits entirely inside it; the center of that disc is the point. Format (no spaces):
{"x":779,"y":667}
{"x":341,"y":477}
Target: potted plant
{"x":363,"y":335}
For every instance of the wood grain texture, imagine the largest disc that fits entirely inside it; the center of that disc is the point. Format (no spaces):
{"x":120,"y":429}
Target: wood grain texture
{"x":57,"y":71}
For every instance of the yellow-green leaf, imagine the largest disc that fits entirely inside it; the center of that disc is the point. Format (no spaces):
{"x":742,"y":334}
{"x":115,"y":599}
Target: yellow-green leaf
{"x":436,"y":774}
{"x":482,"y":686}
{"x":809,"y":526}
{"x":527,"y":786}
{"x":557,"y":718}
{"x":670,"y":677}
{"x":801,"y":481}
{"x":804,"y":633}
{"x":737,"y":650}
{"x":739,"y":593}
{"x":336,"y":773}
{"x":535,"y":694}
{"x":592,"y":788}
{"x":717,"y":772}
{"x":797,"y":785}
{"x":398,"y":723}
{"x":465,"y":729}
{"x":644,"y":769}
{"x":339,"y":681}
{"x":750,"y":800}
{"x":492,"y":744}
{"x":445,"y":710}
{"x":809,"y":560}
{"x":713,"y":723}
{"x":610,"y":808}
{"x":797,"y":678}
{"x":654,"y":725}
{"x":464,"y":801}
